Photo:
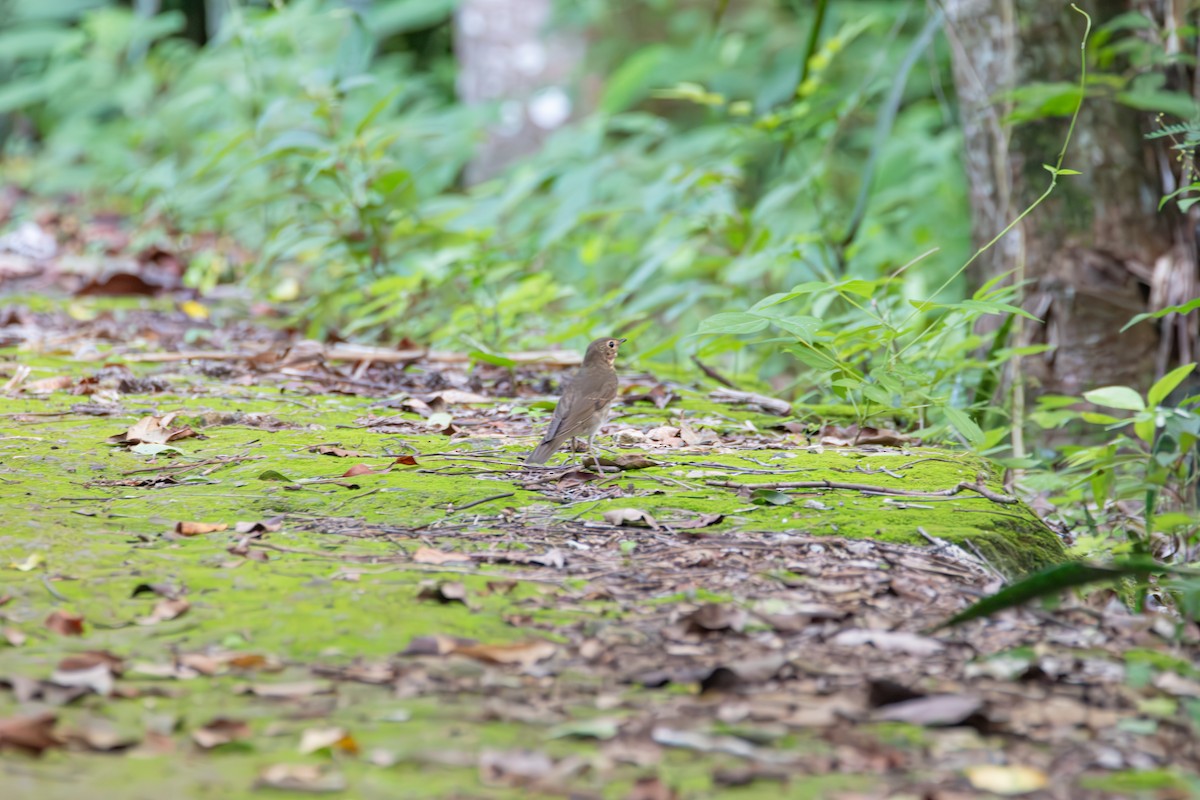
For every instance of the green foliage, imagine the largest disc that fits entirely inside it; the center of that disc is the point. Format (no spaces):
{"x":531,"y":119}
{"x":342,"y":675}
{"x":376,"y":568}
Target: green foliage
{"x":1147,"y":461}
{"x":1050,"y":582}
{"x":336,"y":168}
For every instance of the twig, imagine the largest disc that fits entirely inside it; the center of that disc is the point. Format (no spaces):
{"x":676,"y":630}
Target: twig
{"x":474,"y":503}
{"x":355,"y":497}
{"x":712,"y":373}
{"x":57,"y":595}
{"x":864,"y":487}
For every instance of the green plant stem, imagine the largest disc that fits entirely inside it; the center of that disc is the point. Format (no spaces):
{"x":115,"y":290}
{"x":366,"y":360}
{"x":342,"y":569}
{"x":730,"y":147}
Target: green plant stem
{"x":814,"y":38}
{"x":1062,"y":154}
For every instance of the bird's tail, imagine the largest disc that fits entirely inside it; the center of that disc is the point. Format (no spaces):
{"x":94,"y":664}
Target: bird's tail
{"x":543,"y":452}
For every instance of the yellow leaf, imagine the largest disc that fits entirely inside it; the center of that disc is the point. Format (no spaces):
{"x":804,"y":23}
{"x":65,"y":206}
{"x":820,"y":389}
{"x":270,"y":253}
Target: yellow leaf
{"x":193,"y":309}
{"x":29,"y":564}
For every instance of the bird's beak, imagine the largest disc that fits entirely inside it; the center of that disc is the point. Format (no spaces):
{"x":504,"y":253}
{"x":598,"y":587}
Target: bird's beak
{"x":622,"y":341}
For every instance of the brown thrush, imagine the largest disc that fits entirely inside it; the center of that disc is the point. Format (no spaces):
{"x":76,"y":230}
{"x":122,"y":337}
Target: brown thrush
{"x":585,"y":401}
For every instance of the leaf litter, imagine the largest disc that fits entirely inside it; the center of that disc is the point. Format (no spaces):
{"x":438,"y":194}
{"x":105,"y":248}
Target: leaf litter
{"x":634,"y":627}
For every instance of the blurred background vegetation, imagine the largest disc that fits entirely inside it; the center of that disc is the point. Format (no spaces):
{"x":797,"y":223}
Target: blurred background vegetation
{"x":793,"y":191}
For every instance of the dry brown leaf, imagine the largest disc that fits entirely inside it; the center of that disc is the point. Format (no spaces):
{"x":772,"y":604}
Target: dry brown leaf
{"x":300,"y":778}
{"x":64,"y":623}
{"x":166,"y":609}
{"x":358,"y":469}
{"x":32,"y":735}
{"x":219,"y":731}
{"x":406,"y":461}
{"x":152,"y":430}
{"x":853,"y":435}
{"x":92,"y":658}
{"x":199,"y":528}
{"x":428,"y":555}
{"x":48,"y":385}
{"x":525,"y":654}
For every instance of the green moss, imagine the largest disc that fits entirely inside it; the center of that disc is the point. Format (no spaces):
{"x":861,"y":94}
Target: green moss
{"x":336,"y":593}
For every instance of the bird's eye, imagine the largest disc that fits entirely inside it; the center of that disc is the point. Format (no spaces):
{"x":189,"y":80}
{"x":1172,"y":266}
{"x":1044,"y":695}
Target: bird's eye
{"x":612,"y":344}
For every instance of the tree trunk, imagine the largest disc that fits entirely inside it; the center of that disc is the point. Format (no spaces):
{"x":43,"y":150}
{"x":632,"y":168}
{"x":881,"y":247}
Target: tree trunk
{"x":1098,"y":250}
{"x":509,"y":55}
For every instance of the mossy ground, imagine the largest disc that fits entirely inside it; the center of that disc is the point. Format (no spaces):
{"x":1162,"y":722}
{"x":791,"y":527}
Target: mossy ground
{"x":331,"y":595}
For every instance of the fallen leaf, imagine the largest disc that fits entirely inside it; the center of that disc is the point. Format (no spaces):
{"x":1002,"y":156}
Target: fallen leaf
{"x":32,"y":735}
{"x":272,"y":525}
{"x":146,"y":449}
{"x":935,"y":710}
{"x":601,"y":728}
{"x":525,"y":654}
{"x":630,"y":517}
{"x":14,"y":636}
{"x":406,"y":461}
{"x":691,"y":523}
{"x":1006,"y":779}
{"x":358,"y":469}
{"x":515,"y":768}
{"x":315,"y":739}
{"x":160,"y":589}
{"x":852,"y":435}
{"x":630,"y":461}
{"x":30,"y":563}
{"x":651,"y":788}
{"x":336,"y":452}
{"x":48,"y":385}
{"x":434,"y":645}
{"x":428,"y":555}
{"x":896,"y":641}
{"x":286,"y":691}
{"x":446,"y":592}
{"x":219,"y":731}
{"x":97,"y":678}
{"x":166,"y":609}
{"x":100,"y":735}
{"x":301,"y":778}
{"x":152,"y":430}
{"x":64,"y":623}
{"x":714,"y":617}
{"x":763,"y":497}
{"x":198,"y":528}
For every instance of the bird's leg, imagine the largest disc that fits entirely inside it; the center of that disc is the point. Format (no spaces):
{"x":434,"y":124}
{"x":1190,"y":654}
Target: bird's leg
{"x":595,"y":458}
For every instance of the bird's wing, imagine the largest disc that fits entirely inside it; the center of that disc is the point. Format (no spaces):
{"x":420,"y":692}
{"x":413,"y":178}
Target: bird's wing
{"x":582,"y":399}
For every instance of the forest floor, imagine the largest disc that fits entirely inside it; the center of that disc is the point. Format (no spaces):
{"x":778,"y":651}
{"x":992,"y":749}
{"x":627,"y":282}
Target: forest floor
{"x":235,"y":562}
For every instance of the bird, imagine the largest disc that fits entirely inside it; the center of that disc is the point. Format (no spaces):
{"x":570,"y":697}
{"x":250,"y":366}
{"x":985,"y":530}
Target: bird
{"x":585,"y":401}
